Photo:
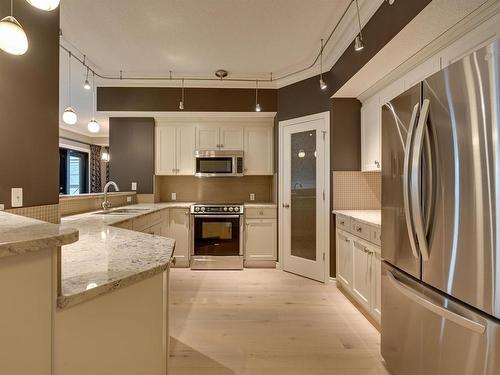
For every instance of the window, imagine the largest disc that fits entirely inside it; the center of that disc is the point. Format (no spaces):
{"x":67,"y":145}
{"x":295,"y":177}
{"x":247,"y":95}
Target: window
{"x":73,"y":172}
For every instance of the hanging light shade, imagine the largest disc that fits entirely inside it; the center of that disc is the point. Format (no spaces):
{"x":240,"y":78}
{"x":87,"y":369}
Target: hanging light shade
{"x":301,"y":154}
{"x":322,"y":84}
{"x":257,"y":105}
{"x":358,"y":43}
{"x":46,"y":5}
{"x":93,"y":126}
{"x":86,"y":85}
{"x":181,"y":103}
{"x":13,"y":39}
{"x":69,"y":116}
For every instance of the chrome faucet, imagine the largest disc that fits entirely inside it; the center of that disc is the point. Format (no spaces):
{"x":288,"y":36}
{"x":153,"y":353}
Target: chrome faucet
{"x":106,"y":204}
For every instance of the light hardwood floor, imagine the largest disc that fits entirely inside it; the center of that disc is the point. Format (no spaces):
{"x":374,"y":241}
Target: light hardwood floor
{"x":266,"y":322}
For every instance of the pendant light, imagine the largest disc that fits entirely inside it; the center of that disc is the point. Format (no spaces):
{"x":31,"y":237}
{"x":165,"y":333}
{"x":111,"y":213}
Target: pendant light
{"x":257,"y":105}
{"x":358,"y":43}
{"x":322,"y":83}
{"x":93,"y":126}
{"x":13,"y":39}
{"x":181,"y":103}
{"x":69,"y":116}
{"x":46,"y":5}
{"x":86,"y":84}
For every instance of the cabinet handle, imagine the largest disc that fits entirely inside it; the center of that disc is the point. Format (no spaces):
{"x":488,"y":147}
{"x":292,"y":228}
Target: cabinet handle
{"x":221,"y":146}
{"x":342,"y":223}
{"x":359,"y":229}
{"x":377,"y":163}
{"x":186,"y":213}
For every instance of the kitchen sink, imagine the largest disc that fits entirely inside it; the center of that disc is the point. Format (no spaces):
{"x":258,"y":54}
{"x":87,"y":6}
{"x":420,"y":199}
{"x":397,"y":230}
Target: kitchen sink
{"x":123,"y":211}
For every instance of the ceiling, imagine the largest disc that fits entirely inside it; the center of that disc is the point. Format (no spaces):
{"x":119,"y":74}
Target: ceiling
{"x":249,"y":38}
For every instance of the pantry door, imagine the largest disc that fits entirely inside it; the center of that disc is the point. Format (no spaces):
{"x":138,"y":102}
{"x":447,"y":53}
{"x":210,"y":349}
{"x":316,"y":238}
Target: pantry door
{"x":304,"y":196}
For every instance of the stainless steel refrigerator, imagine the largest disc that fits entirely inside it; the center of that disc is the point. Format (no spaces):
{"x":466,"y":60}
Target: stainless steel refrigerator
{"x":441,"y":222}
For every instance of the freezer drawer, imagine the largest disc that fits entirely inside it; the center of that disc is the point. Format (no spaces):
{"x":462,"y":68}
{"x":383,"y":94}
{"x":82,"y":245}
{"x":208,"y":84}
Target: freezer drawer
{"x":424,"y":332}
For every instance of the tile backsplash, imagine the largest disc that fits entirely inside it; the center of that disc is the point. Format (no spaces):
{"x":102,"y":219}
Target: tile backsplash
{"x":71,"y":205}
{"x":49,"y":213}
{"x":355,"y":190}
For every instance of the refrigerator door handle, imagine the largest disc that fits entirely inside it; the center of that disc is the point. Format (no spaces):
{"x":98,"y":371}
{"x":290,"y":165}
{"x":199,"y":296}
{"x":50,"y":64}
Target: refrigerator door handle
{"x":406,"y":178}
{"x":441,"y":311}
{"x":415,"y":184}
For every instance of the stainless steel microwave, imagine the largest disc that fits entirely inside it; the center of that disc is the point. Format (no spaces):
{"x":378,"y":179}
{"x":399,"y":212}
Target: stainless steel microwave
{"x":219,"y":163}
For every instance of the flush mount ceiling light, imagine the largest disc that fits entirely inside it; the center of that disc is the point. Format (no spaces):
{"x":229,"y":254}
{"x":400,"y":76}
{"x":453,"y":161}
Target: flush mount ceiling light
{"x":93,"y":126}
{"x":358,"y":43}
{"x":322,"y":83}
{"x":13,"y":39}
{"x":69,"y":116}
{"x":257,"y":105}
{"x":301,"y":154}
{"x":46,"y":5}
{"x":181,"y":103}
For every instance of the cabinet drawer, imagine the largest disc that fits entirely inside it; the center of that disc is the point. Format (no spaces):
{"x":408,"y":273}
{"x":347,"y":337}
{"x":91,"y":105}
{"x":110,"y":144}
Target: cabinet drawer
{"x":343,"y":222}
{"x":375,"y":234}
{"x":260,"y":213}
{"x":360,"y":229}
{"x":140,"y":223}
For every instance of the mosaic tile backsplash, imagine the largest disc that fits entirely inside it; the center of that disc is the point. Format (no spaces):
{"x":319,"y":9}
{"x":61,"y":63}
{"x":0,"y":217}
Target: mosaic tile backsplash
{"x":49,"y":213}
{"x":355,"y":190}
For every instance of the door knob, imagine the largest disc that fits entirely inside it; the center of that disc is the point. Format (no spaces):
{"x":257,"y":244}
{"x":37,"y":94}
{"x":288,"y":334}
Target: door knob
{"x":286,"y":205}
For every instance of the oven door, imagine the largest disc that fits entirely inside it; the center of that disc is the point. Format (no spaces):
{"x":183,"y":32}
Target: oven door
{"x":217,"y":235}
{"x":215,"y":166}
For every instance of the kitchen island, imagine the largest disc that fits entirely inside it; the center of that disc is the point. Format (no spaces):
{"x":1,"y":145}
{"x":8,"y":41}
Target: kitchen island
{"x":112,"y":314}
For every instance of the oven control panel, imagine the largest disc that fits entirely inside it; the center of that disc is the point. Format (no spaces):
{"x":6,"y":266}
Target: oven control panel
{"x":215,"y":209}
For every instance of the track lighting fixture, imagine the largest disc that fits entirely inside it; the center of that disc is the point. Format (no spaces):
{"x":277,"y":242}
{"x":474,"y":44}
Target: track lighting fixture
{"x":69,"y":116}
{"x":46,"y":5}
{"x":93,"y":126}
{"x":13,"y":39}
{"x":358,"y":43}
{"x":181,"y":103}
{"x":257,"y":105}
{"x":322,"y":83}
{"x":86,"y":85}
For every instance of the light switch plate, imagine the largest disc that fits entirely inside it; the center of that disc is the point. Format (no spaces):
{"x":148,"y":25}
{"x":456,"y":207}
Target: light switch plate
{"x":174,"y":196}
{"x":2,"y":207}
{"x":129,"y":199}
{"x":134,"y":186}
{"x":252,"y":196}
{"x":16,"y":197}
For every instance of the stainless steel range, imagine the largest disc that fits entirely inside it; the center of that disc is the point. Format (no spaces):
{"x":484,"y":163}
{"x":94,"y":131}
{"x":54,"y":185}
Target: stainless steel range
{"x":217,"y":241}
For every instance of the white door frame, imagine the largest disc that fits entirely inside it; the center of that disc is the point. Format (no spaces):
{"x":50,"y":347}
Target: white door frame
{"x":325,"y":116}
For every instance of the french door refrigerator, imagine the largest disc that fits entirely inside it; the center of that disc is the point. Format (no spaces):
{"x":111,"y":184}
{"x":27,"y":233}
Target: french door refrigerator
{"x":441,"y":222}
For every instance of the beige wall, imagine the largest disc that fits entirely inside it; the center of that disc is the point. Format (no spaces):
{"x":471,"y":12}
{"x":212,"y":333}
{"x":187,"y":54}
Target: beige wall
{"x":228,"y":189}
{"x":354,"y":190}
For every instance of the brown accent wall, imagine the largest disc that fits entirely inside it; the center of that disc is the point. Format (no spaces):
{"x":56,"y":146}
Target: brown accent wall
{"x":195,"y":99}
{"x":131,"y":148}
{"x":220,"y":189}
{"x":29,"y":97}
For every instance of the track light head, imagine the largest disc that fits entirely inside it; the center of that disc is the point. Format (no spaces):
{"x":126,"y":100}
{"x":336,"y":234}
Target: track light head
{"x":358,"y":43}
{"x":322,"y":84}
{"x":258,"y":108}
{"x":86,"y":85}
{"x":181,"y":105}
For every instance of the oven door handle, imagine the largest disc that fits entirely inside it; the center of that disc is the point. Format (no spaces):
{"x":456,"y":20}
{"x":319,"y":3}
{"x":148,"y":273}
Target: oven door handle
{"x":218,"y":216}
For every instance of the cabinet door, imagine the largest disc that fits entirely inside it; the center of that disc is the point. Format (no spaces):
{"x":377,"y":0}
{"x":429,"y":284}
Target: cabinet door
{"x":260,"y":239}
{"x":165,"y":150}
{"x":361,"y":280}
{"x":165,"y":222}
{"x":231,"y":138}
{"x":186,"y":136}
{"x":376,"y":286}
{"x":179,"y":231}
{"x":207,"y":137}
{"x":371,"y":119}
{"x":258,"y":150}
{"x":344,"y":260}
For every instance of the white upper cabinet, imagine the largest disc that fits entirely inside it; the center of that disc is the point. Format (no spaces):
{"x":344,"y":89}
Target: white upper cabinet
{"x":258,"y":150}
{"x":207,"y":137}
{"x":231,"y":138}
{"x":185,"y":147}
{"x":175,"y":150}
{"x":165,"y":150}
{"x":371,"y":136}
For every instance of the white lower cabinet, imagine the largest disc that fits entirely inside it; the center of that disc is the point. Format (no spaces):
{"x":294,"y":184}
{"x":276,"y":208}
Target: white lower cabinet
{"x":359,"y":271}
{"x":179,"y":230}
{"x":260,"y":241}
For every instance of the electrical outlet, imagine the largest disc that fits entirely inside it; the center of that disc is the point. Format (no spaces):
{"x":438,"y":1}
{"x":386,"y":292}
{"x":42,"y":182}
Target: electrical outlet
{"x":134,"y":186}
{"x":252,"y":196}
{"x":16,"y":197}
{"x":2,"y":207}
{"x":174,"y":196}
{"x":129,"y":199}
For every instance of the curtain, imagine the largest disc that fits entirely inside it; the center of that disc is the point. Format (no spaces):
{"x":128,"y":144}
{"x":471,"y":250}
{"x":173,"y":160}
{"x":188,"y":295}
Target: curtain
{"x":95,"y":169}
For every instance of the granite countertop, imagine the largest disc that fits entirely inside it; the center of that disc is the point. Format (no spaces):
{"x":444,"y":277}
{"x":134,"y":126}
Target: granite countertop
{"x":371,"y":217}
{"x":107,"y":258}
{"x":20,"y":235}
